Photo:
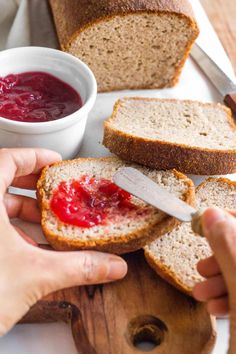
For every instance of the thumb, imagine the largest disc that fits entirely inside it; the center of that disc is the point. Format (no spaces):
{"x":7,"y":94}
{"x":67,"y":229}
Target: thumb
{"x":68,"y":269}
{"x":220,"y":230}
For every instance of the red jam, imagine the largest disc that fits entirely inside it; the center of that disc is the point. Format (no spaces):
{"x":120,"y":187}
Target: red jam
{"x":36,"y":97}
{"x":89,"y":201}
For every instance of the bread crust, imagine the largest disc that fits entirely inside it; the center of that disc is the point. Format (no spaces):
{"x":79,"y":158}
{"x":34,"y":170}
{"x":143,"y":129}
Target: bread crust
{"x":166,"y":155}
{"x":162,"y":270}
{"x":70,"y":22}
{"x":119,"y":245}
{"x":218,"y":180}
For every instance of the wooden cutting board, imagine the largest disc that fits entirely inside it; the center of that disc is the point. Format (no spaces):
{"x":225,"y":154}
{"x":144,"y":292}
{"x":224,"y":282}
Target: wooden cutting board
{"x":115,"y":318}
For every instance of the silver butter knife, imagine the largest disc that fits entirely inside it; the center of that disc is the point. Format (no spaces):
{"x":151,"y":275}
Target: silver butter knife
{"x":139,"y":185}
{"x":219,"y":79}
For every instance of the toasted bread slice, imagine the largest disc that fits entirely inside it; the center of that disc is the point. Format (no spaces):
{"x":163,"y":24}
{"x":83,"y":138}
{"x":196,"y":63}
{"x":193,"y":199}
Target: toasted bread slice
{"x":193,"y":137}
{"x":121,"y":232}
{"x":174,"y":256}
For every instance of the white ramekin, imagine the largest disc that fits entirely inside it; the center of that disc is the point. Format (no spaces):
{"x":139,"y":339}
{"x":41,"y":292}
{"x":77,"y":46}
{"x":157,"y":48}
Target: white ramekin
{"x":63,"y":135}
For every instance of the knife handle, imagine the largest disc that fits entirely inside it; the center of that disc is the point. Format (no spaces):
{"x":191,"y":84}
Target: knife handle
{"x":230,"y":101}
{"x":197,"y":223}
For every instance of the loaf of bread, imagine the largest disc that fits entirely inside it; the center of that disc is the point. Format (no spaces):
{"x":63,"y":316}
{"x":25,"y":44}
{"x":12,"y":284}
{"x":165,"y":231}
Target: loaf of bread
{"x":193,"y":137}
{"x":123,"y":230}
{"x":174,"y":256}
{"x":128,"y":44}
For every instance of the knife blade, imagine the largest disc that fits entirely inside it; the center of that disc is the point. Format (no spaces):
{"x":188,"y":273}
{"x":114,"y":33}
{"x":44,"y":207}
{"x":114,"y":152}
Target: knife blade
{"x":136,"y":183}
{"x":219,"y":79}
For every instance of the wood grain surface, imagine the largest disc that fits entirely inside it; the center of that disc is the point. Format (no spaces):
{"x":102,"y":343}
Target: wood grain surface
{"x":222,"y":14}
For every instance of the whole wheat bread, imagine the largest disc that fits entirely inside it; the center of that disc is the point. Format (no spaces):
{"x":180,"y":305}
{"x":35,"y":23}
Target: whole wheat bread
{"x":174,"y":256}
{"x":128,"y":44}
{"x":193,"y":137}
{"x":126,"y":232}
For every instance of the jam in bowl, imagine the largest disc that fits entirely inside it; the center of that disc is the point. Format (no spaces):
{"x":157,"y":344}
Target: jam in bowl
{"x":36,"y":97}
{"x":45,"y":98}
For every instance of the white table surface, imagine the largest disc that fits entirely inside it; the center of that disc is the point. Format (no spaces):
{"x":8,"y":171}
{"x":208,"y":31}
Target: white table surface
{"x":56,"y":338}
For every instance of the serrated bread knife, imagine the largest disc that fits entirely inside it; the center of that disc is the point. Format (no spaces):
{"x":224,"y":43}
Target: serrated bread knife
{"x":219,"y":79}
{"x":139,"y":185}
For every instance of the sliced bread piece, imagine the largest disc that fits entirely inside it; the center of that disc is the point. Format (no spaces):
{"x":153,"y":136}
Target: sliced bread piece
{"x":123,"y":230}
{"x":193,"y":137}
{"x":174,"y":256}
{"x":128,"y":44}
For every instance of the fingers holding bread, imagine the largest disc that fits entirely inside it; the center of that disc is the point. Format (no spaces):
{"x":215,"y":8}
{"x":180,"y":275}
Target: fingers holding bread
{"x":15,"y":163}
{"x":175,"y":255}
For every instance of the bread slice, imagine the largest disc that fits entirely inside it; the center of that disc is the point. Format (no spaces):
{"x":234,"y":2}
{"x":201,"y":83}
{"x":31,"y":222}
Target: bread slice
{"x":193,"y":137}
{"x":174,"y":256}
{"x":122,"y":232}
{"x":128,"y":44}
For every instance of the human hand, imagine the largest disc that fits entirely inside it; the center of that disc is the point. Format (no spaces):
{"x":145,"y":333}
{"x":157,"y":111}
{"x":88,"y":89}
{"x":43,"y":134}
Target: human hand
{"x":28,"y":273}
{"x":219,"y":288}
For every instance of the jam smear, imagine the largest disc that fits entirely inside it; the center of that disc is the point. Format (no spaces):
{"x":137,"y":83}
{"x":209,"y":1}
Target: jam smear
{"x":89,"y":201}
{"x":36,"y":97}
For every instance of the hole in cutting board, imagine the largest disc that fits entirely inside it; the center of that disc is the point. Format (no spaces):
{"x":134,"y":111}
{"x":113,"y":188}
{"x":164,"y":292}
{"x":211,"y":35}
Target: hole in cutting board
{"x":146,"y":332}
